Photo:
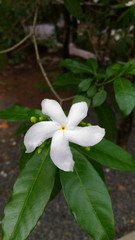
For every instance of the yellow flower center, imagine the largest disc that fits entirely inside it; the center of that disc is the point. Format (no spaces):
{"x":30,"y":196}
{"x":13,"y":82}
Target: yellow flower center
{"x":63,"y":128}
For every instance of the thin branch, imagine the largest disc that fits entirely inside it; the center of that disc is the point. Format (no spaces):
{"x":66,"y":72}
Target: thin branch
{"x":34,"y":21}
{"x":42,"y":68}
{"x":17,"y":45}
{"x":66,"y":99}
{"x":23,"y":40}
{"x":61,"y":100}
{"x":39,"y":60}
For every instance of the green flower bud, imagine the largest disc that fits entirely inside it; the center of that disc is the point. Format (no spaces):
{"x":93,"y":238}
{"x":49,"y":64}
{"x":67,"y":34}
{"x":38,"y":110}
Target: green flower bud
{"x":42,"y":118}
{"x":39,"y":150}
{"x":87,"y":148}
{"x":88,"y":124}
{"x":33,"y":119}
{"x":83,"y":123}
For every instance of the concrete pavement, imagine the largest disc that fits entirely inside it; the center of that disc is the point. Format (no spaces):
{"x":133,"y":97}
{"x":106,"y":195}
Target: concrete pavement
{"x":130,"y":236}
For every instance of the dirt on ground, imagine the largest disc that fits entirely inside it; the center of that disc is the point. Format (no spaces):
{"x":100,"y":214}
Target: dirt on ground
{"x":25,"y":83}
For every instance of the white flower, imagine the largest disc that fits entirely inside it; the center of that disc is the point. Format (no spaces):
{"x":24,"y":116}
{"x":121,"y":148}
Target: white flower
{"x":117,"y":37}
{"x":130,"y":3}
{"x":131,"y":28}
{"x":113,"y":32}
{"x":62,"y":130}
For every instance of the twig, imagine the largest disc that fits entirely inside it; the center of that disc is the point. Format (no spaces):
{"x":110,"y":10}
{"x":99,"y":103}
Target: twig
{"x":66,"y":99}
{"x":17,"y":45}
{"x":24,"y":39}
{"x":39,"y":59}
{"x":41,"y":66}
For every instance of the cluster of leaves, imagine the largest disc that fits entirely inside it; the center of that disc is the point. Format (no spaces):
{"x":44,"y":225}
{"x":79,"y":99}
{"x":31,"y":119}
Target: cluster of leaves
{"x":107,"y":89}
{"x":113,"y":16}
{"x":113,"y":35}
{"x":40,"y":181}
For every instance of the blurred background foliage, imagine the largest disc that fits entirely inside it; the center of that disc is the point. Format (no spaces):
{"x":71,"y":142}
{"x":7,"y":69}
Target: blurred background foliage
{"x":104,"y":27}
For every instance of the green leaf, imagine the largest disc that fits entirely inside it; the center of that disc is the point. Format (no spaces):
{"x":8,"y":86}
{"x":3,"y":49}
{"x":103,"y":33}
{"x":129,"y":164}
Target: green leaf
{"x":88,"y":199}
{"x":30,"y":195}
{"x":67,"y":79}
{"x":111,"y":155}
{"x":131,"y":67}
{"x":56,"y":187}
{"x":101,"y":75}
{"x":99,"y":97}
{"x":125,"y":95}
{"x":25,"y":157}
{"x":98,"y":167}
{"x":119,"y":5}
{"x":19,"y":113}
{"x":92,"y":63}
{"x":74,"y":8}
{"x":107,"y":120}
{"x":23,"y":127}
{"x":76,"y":66}
{"x":91,"y":91}
{"x":81,"y":98}
{"x":120,"y":69}
{"x":84,"y":85}
{"x":114,"y":70}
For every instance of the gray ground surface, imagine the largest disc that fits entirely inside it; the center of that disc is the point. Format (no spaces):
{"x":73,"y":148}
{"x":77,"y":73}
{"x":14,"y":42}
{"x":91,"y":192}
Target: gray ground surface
{"x":58,"y":223}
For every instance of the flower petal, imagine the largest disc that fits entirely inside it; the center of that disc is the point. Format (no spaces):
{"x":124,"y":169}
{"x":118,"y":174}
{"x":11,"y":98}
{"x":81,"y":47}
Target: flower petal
{"x":38,"y":133}
{"x":60,"y":152}
{"x":85,"y":136}
{"x":53,"y":109}
{"x":77,"y":113}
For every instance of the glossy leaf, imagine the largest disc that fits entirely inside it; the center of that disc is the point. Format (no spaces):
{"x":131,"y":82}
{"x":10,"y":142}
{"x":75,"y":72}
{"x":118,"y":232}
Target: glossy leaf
{"x":57,"y":186}
{"x":24,"y":158}
{"x":131,"y":67}
{"x":88,"y":199}
{"x":76,"y":66}
{"x":19,"y":113}
{"x":66,"y":80}
{"x":107,"y":120}
{"x":23,"y":127}
{"x":98,"y":167}
{"x":74,"y":8}
{"x":115,"y":70}
{"x":92,"y":63}
{"x":81,"y":98}
{"x":91,"y":91}
{"x":31,"y":193}
{"x":125,"y":95}
{"x":84,"y":85}
{"x":111,"y":155}
{"x":99,"y":97}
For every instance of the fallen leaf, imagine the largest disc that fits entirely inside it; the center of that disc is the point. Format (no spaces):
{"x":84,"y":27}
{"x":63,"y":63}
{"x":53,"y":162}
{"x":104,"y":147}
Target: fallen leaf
{"x":121,"y":187}
{"x":4,"y":125}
